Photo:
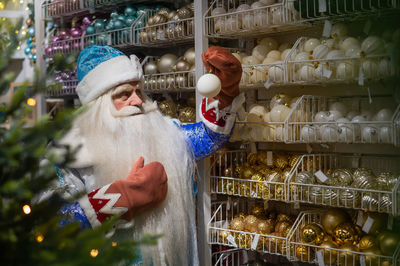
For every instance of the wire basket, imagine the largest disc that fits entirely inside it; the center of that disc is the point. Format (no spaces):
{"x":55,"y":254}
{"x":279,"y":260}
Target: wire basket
{"x":65,"y":47}
{"x":348,"y":191}
{"x":230,"y":257}
{"x":330,"y":256}
{"x":60,"y":8}
{"x":65,"y":88}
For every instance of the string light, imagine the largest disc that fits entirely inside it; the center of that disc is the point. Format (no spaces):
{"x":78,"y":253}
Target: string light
{"x":114,"y":244}
{"x":19,"y":47}
{"x":26,"y":209}
{"x":17,"y":31}
{"x":39,"y":238}
{"x":94,"y":253}
{"x":31,"y":102}
{"x":2,"y":5}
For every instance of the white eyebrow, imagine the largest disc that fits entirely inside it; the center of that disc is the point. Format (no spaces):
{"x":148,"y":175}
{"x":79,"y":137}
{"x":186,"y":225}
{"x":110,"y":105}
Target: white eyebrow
{"x":122,"y":88}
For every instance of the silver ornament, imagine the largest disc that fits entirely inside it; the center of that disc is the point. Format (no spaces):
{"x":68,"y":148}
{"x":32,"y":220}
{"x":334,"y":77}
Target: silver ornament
{"x":143,"y":37}
{"x":150,"y":68}
{"x":385,"y":181}
{"x":274,"y":177}
{"x":323,"y":195}
{"x":190,"y":56}
{"x":159,"y":18}
{"x":361,"y":171}
{"x":150,"y":22}
{"x":171,"y":15}
{"x":179,"y":31}
{"x":349,"y":198}
{"x":170,"y":81}
{"x":386,"y":203}
{"x":161,"y":82}
{"x":305,"y":178}
{"x":164,"y":11}
{"x":166,"y":63}
{"x":182,"y":65}
{"x":185,"y":12}
{"x":370,"y":202}
{"x":181,"y":81}
{"x":344,"y":177}
{"x":152,"y":84}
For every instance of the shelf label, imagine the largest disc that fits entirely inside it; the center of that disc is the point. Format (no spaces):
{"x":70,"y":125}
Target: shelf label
{"x":320,"y":258}
{"x":327,"y":28}
{"x":253,"y":147}
{"x":369,"y":96}
{"x":359,"y":218}
{"x":253,"y":194}
{"x":368,"y":224}
{"x":322,"y":5}
{"x":326,"y":72}
{"x":321,"y":176}
{"x":367,"y":26}
{"x":231,"y":240}
{"x":362,"y":261}
{"x":269,"y":158}
{"x":309,"y":148}
{"x":355,"y":162}
{"x":390,"y":222}
{"x":255,"y":242}
{"x":268,"y":83}
{"x":361,"y":77}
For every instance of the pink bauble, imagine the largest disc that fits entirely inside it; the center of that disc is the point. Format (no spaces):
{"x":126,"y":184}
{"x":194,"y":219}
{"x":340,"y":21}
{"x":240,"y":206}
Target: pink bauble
{"x":48,"y":50}
{"x":86,"y":21}
{"x":54,"y":39}
{"x":76,"y":32}
{"x":76,"y":45}
{"x":66,"y":47}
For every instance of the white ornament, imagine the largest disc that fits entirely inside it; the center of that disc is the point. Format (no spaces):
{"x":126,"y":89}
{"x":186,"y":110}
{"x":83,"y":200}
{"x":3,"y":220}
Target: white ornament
{"x":189,"y":56}
{"x":280,"y":133}
{"x":384,"y":115}
{"x":331,"y":43}
{"x":321,"y":51}
{"x":329,"y":133}
{"x":150,"y":68}
{"x":345,"y":70}
{"x":358,"y":119}
{"x":349,"y":42}
{"x":373,"y":45}
{"x":346,"y":134}
{"x":267,"y":2}
{"x":275,"y":74}
{"x":335,"y":54}
{"x":278,"y":15}
{"x":322,"y":72}
{"x":209,"y":85}
{"x":384,"y":68}
{"x":279,"y":113}
{"x":385,"y":134}
{"x":306,"y":72}
{"x":293,"y":102}
{"x":233,"y":24}
{"x":321,"y":116}
{"x":283,"y":46}
{"x":275,"y":54}
{"x":257,"y":4}
{"x":309,"y":133}
{"x":259,"y":75}
{"x":262,"y":18}
{"x":310,"y":44}
{"x":302,"y":56}
{"x":370,"y":68}
{"x":339,"y":30}
{"x":248,"y":21}
{"x":267,"y":117}
{"x":250,"y":60}
{"x":243,"y":7}
{"x":271,"y":43}
{"x":338,"y":106}
{"x":367,"y":114}
{"x":334,"y":115}
{"x":268,"y":61}
{"x":350,"y":115}
{"x":219,"y":25}
{"x":353,"y":51}
{"x":369,"y":134}
{"x":218,"y":11}
{"x":285,"y":54}
{"x":260,"y":52}
{"x":343,"y":121}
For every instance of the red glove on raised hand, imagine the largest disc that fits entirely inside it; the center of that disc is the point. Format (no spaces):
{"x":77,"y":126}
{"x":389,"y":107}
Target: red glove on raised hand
{"x":222,"y":63}
{"x":145,"y":187}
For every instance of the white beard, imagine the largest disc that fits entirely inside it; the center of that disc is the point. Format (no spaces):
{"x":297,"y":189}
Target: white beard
{"x":114,"y":145}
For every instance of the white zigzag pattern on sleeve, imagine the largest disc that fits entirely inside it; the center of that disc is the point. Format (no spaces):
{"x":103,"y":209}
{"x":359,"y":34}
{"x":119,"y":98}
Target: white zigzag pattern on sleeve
{"x":113,"y":197}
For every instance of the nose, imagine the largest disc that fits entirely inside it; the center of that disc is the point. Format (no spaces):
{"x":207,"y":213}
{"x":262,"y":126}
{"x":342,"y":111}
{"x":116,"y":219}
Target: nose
{"x":135,"y":100}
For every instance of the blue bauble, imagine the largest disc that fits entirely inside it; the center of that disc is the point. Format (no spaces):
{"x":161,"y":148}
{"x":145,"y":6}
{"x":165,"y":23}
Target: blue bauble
{"x":130,"y":11}
{"x":121,"y":17}
{"x":102,"y":39}
{"x":118,"y":24}
{"x":90,"y":30}
{"x":30,"y":56}
{"x":129,"y":20}
{"x":34,"y":57}
{"x":92,"y":41}
{"x":114,"y":14}
{"x":110,"y":25}
{"x":126,"y":34}
{"x":27,"y":50}
{"x":29,"y":41}
{"x":31,"y":31}
{"x":100,"y":25}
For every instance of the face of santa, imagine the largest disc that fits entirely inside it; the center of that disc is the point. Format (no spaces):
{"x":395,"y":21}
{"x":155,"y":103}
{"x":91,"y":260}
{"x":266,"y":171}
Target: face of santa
{"x":127,"y":94}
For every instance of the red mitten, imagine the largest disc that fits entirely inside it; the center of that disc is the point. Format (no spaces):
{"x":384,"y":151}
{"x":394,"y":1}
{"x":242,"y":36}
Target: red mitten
{"x":145,"y":187}
{"x":222,"y":63}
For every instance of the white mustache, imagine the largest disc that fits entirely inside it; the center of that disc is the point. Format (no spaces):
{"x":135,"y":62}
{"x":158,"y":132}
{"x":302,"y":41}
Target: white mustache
{"x":134,"y":110}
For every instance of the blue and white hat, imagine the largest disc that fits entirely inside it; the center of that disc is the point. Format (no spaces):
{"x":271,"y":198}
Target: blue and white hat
{"x":101,"y":67}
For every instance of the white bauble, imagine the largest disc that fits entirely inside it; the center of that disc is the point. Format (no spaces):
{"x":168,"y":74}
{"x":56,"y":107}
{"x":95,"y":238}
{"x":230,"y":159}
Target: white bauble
{"x":233,"y":24}
{"x":259,"y":75}
{"x":275,"y":54}
{"x":238,"y":57}
{"x":346,"y":134}
{"x":329,"y":133}
{"x":385,"y":134}
{"x":335,"y":54}
{"x":338,"y":106}
{"x":345,"y":70}
{"x":310,"y":44}
{"x":279,"y":113}
{"x":150,"y":68}
{"x":350,"y":115}
{"x":349,"y":42}
{"x":384,"y":68}
{"x":209,"y":85}
{"x":373,"y":45}
{"x":219,"y":25}
{"x":278,"y":15}
{"x":320,"y":51}
{"x":306,"y":72}
{"x":257,"y":133}
{"x":250,"y":60}
{"x":331,"y":43}
{"x":384,"y":115}
{"x":370,"y":68}
{"x":255,"y":116}
{"x":279,"y":133}
{"x":166,"y":63}
{"x":267,"y":117}
{"x":283,"y":46}
{"x":243,"y":7}
{"x":248,"y":21}
{"x":293,"y":102}
{"x":190,"y":56}
{"x":338,"y":30}
{"x":367,"y":114}
{"x":257,"y":4}
{"x":321,"y":116}
{"x":353,"y":51}
{"x":267,"y":2}
{"x":369,"y":134}
{"x":343,"y":121}
{"x":260,"y":52}
{"x":262,"y":18}
{"x":285,"y":54}
{"x":276,"y":74}
{"x":334,"y":115}
{"x":268,"y":60}
{"x":218,"y":11}
{"x":358,"y":119}
{"x":278,"y":99}
{"x":271,"y":43}
{"x":322,"y":72}
{"x":309,"y":133}
{"x":246,"y":74}
{"x":302,"y":56}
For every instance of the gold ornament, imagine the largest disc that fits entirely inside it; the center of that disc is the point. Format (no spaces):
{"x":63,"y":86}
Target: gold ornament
{"x":258,"y":211}
{"x":346,"y":257}
{"x":293,"y":159}
{"x":250,"y":223}
{"x":344,"y":176}
{"x":280,"y":160}
{"x":282,"y":226}
{"x":330,"y":255}
{"x":285,"y":173}
{"x":333,"y":218}
{"x":244,"y":190}
{"x":345,"y":233}
{"x":312,"y":234}
{"x":281,"y":217}
{"x":379,"y":222}
{"x":238,"y":171}
{"x":262,"y":158}
{"x":187,"y":115}
{"x":271,"y":243}
{"x":304,"y":253}
{"x":388,"y":242}
{"x":263,"y":190}
{"x":237,"y":224}
{"x":252,"y":158}
{"x":279,"y":192}
{"x":264,"y":227}
{"x":304,"y":178}
{"x":168,"y":108}
{"x":228,"y":172}
{"x":368,"y":242}
{"x":247,"y":173}
{"x":372,"y":257}
{"x":240,"y":215}
{"x":257,"y":177}
{"x":243,"y":240}
{"x":223,"y":236}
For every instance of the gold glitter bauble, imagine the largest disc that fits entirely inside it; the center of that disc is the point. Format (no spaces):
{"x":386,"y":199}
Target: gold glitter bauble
{"x":281,"y":217}
{"x":240,"y":215}
{"x":257,"y":177}
{"x":232,"y":187}
{"x":237,"y":173}
{"x":250,"y":223}
{"x":279,"y":193}
{"x":368,"y":242}
{"x":285,"y":173}
{"x":271,"y":243}
{"x":304,"y":253}
{"x":243,"y":240}
{"x":258,"y":211}
{"x":333,"y":218}
{"x":280,"y":160}
{"x":223,"y":236}
{"x":265,"y":227}
{"x":312,"y":234}
{"x":262,"y":190}
{"x":252,"y":158}
{"x":168,"y":108}
{"x":388,"y":242}
{"x":237,"y":224}
{"x":228,"y":172}
{"x":244,"y":190}
{"x":348,"y":258}
{"x":262,"y":158}
{"x":247,"y":172}
{"x":330,"y":255}
{"x":293,"y":159}
{"x":187,"y":115}
{"x":344,"y":233}
{"x":282,"y":226}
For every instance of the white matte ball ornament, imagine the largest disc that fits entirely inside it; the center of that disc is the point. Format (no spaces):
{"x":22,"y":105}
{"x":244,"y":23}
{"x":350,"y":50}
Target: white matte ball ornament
{"x":331,"y":43}
{"x":384,"y":68}
{"x":369,"y":134}
{"x":349,"y":42}
{"x":321,"y":116}
{"x":385,"y":134}
{"x":334,"y":115}
{"x":250,"y":60}
{"x":353,"y":51}
{"x":285,"y":54}
{"x":345,"y":134}
{"x":384,"y":115}
{"x":310,"y":44}
{"x":309,"y":133}
{"x":335,"y":54}
{"x":274,"y":54}
{"x":243,"y":7}
{"x":209,"y":85}
{"x":268,"y":60}
{"x":150,"y":68}
{"x":306,"y":72}
{"x":338,"y":30}
{"x":279,"y":113}
{"x":302,"y":56}
{"x":358,"y":119}
{"x":275,"y":74}
{"x":350,"y":115}
{"x":338,"y":106}
{"x":190,"y":56}
{"x":329,"y":133}
{"x":321,"y":51}
{"x":283,"y":46}
{"x":271,"y":43}
{"x":218,"y":11}
{"x":373,"y":45}
{"x":257,"y":4}
{"x":166,"y":63}
{"x":260,"y":52}
{"x":248,"y":21}
{"x":267,"y":2}
{"x":370,"y":68}
{"x":344,"y":70}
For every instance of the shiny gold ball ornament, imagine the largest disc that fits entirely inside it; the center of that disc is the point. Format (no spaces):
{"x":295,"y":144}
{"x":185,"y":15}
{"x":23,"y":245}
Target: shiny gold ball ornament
{"x":257,"y":177}
{"x":237,"y":224}
{"x":188,"y":115}
{"x":271,"y":243}
{"x":262,"y":157}
{"x":304,"y":253}
{"x":333,"y":218}
{"x":282,"y":217}
{"x":168,"y":108}
{"x":223,"y":236}
{"x":240,"y":215}
{"x":247,"y":172}
{"x":285,"y":173}
{"x":242,"y":240}
{"x":372,"y":257}
{"x":344,"y":233}
{"x":330,"y":255}
{"x":312,"y":234}
{"x":244,"y":190}
{"x":388,"y":242}
{"x":265,"y":227}
{"x":258,"y":211}
{"x":280,"y":160}
{"x":346,"y":255}
{"x":252,"y":158}
{"x":282,"y":226}
{"x":228,"y":172}
{"x":237,"y":173}
{"x":368,"y":242}
{"x":293,"y":159}
{"x":378,"y":222}
{"x":250,"y":223}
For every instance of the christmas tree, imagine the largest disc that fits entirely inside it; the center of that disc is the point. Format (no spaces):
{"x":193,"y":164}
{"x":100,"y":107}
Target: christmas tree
{"x":30,"y":231}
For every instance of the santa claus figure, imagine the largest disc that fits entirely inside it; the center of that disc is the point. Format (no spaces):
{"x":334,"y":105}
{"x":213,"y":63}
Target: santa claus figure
{"x":136,"y":163}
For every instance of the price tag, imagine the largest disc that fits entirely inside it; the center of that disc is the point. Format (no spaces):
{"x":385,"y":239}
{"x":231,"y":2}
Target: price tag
{"x":367,"y":26}
{"x":253,"y":147}
{"x":296,"y":205}
{"x":327,"y":28}
{"x":253,"y":194}
{"x":320,"y":258}
{"x":369,"y":96}
{"x":355,"y":163}
{"x":308,"y":148}
{"x":322,"y":5}
{"x":359,"y":218}
{"x":228,"y":203}
{"x":321,"y":176}
{"x":268,"y":83}
{"x":269,"y":158}
{"x":327,"y":73}
{"x":361,"y":77}
{"x":362,"y":261}
{"x":368,"y":224}
{"x":255,"y":242}
{"x":160,"y":36}
{"x":390,"y":222}
{"x":232,"y":241}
